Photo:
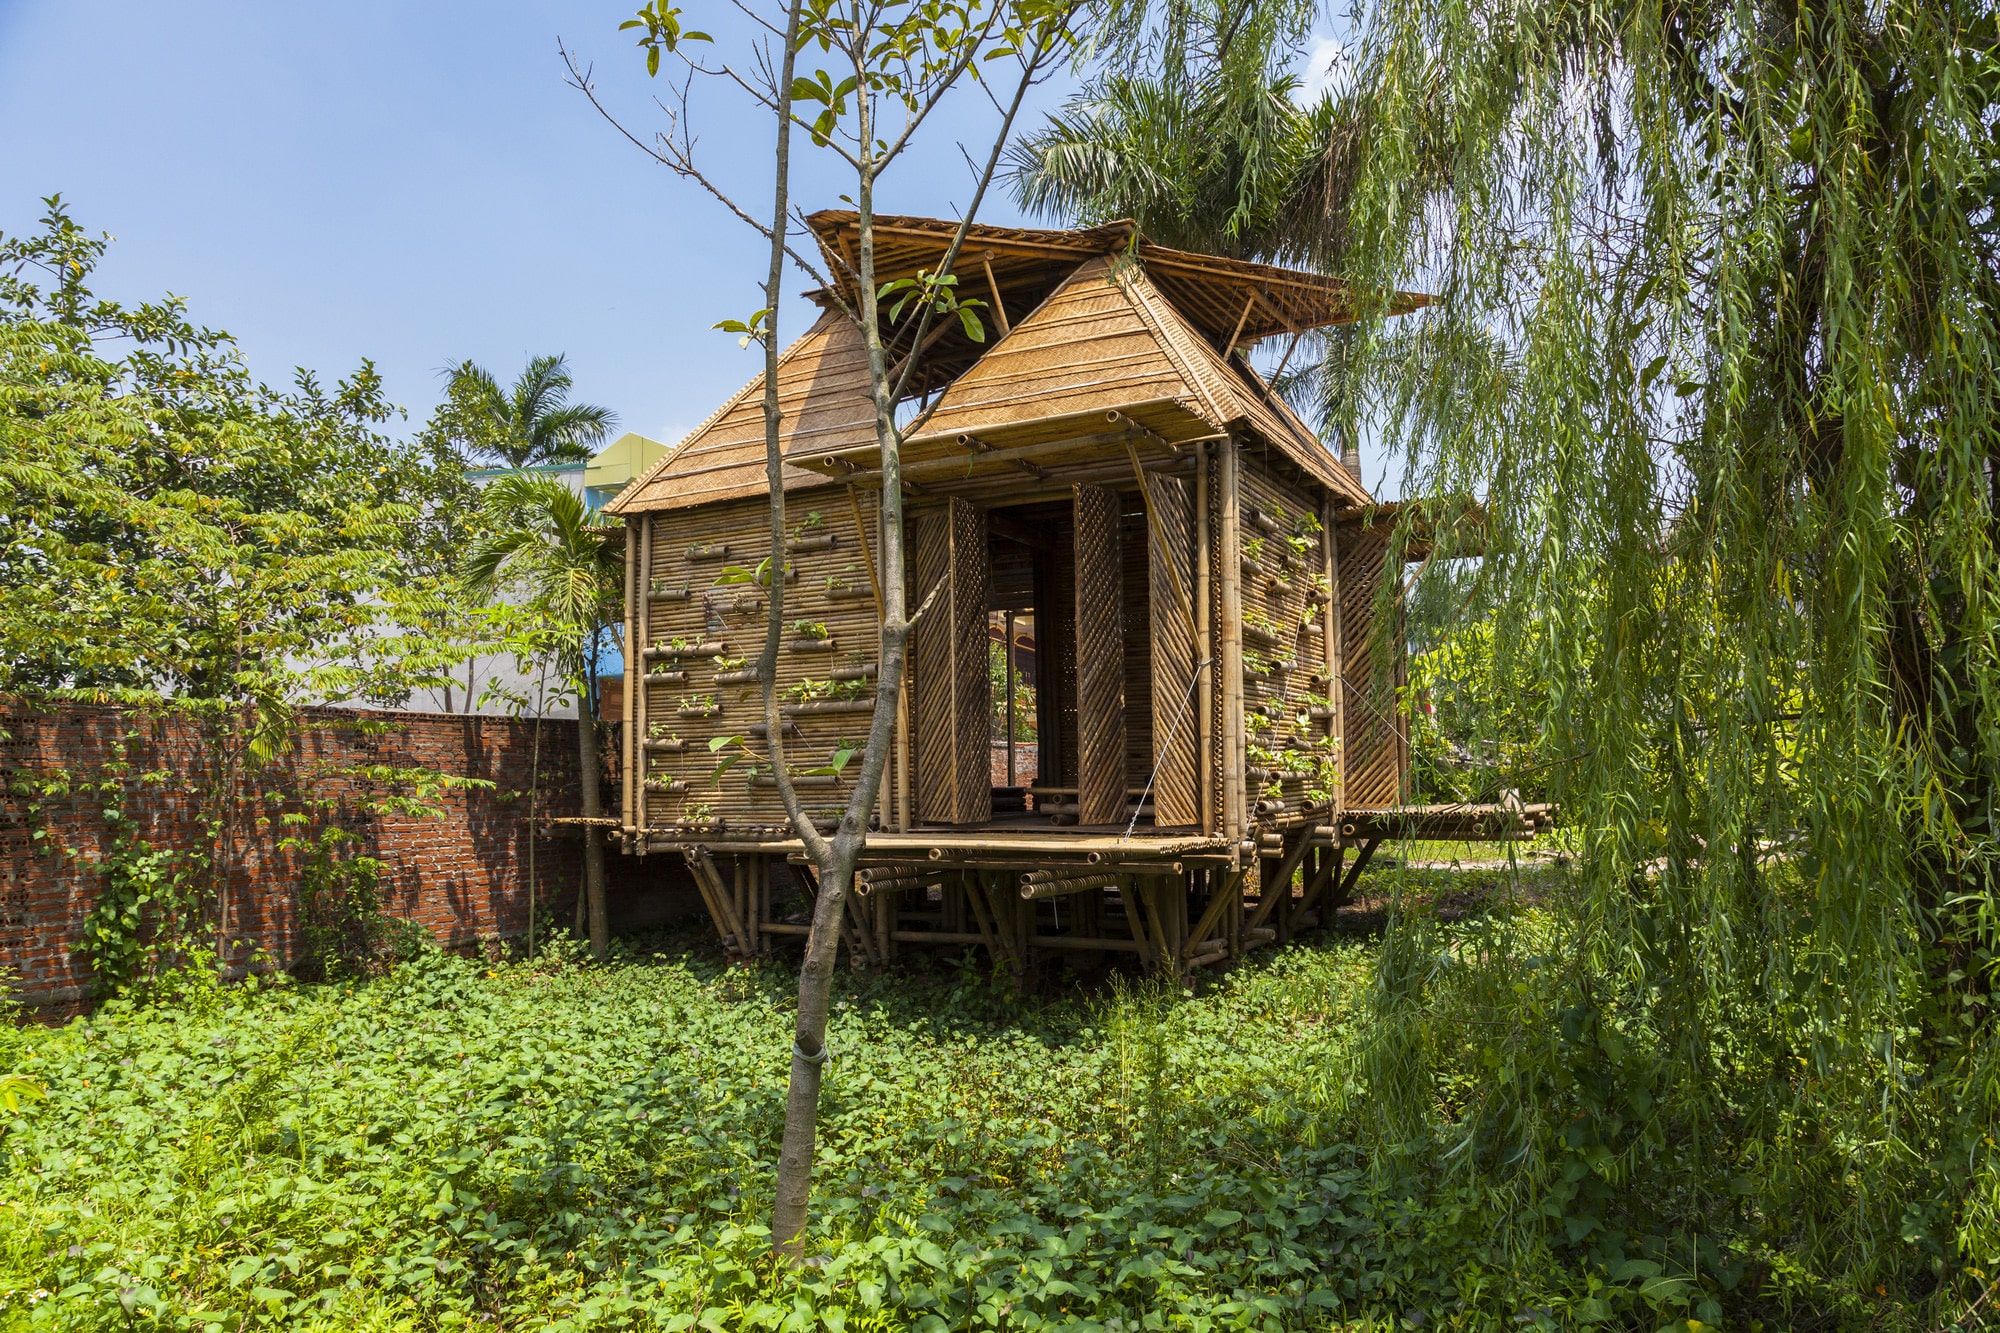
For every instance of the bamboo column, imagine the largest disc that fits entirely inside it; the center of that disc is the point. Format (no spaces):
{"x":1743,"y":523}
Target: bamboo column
{"x":1336,"y":656}
{"x":885,"y":924}
{"x":1205,"y":679}
{"x":641,"y":711}
{"x":1230,"y":662}
{"x":634,"y":750}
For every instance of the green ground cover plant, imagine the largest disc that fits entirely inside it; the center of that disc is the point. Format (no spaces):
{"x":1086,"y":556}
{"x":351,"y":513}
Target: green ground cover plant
{"x":551,"y":1145}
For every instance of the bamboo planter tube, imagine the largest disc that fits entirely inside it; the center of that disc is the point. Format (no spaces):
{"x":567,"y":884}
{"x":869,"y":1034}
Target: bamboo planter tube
{"x":1058,"y":888}
{"x":865,"y":888}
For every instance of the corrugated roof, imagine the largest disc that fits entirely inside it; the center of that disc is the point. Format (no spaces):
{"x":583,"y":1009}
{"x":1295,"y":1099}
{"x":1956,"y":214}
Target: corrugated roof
{"x":823,"y":391}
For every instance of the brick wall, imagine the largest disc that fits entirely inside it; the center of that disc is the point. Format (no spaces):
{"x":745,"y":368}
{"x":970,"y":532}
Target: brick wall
{"x":463,"y":875}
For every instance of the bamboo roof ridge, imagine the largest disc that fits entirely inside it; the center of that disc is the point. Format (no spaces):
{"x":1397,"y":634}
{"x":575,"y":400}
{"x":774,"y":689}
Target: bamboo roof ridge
{"x":1227,"y":299}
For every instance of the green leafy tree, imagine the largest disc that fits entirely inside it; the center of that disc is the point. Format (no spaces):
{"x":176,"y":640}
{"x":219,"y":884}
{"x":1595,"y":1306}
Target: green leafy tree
{"x":1716,"y":342}
{"x":529,"y":423}
{"x":539,"y":541}
{"x":174,"y":534}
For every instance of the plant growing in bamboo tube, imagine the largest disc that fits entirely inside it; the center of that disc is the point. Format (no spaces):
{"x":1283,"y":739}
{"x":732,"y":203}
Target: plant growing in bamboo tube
{"x":888,"y":65}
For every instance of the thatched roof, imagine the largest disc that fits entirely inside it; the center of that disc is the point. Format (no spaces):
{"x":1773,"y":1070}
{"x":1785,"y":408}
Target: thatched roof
{"x":1108,"y":340}
{"x":1101,"y":322}
{"x":823,"y":393}
{"x":1231,"y":302}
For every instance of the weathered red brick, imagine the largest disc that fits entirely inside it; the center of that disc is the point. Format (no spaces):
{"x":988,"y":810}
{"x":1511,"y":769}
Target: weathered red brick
{"x":462,"y":875}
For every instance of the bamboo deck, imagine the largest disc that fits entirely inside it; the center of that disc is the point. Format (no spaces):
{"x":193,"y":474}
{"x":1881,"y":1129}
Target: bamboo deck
{"x":1174,"y":902}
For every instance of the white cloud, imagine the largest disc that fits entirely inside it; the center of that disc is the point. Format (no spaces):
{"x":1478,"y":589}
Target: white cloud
{"x":1322,"y":70}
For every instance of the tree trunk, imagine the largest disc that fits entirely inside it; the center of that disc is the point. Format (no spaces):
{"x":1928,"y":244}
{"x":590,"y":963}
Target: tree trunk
{"x":593,"y":836}
{"x":790,"y":1209}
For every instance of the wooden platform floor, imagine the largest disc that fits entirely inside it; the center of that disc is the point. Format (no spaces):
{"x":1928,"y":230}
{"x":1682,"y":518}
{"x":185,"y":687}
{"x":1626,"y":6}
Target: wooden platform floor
{"x":997,"y":845}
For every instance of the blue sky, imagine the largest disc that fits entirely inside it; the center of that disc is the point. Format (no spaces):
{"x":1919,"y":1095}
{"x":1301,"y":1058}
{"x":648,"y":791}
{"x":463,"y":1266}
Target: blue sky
{"x":415,"y":184}
{"x":408,"y":182}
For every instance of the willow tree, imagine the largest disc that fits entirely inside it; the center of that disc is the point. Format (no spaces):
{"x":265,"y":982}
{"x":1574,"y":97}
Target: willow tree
{"x":874,"y":72}
{"x":1715,"y":341}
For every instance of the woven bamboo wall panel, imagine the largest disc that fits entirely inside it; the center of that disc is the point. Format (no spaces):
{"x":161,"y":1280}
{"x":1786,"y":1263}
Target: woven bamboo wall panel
{"x":1170,"y":570}
{"x":1374,"y":742}
{"x":1100,"y":658}
{"x":1284,"y":557}
{"x":1136,"y":612}
{"x":696,"y":611}
{"x":950,"y":702}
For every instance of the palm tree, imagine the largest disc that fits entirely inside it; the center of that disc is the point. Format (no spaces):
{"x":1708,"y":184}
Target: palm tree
{"x":532,"y":422}
{"x":538,"y":539}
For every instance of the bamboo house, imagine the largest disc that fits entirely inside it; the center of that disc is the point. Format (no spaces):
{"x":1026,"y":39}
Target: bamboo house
{"x":1144,"y":712}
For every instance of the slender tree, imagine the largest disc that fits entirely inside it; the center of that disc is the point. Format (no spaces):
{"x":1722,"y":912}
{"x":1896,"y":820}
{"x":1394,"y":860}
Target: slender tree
{"x":538,"y":538}
{"x":890,"y":65}
{"x":529,"y":423}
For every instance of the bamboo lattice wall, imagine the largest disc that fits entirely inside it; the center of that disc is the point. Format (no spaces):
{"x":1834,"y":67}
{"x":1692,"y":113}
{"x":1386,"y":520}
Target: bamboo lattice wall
{"x":1284,"y":629}
{"x":950,"y":690}
{"x":1377,"y":745}
{"x":1100,"y":657}
{"x":695,"y":627}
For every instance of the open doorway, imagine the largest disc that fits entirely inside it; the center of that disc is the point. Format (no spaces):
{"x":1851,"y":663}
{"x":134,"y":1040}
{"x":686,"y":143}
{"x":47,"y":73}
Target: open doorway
{"x":1015,"y":744}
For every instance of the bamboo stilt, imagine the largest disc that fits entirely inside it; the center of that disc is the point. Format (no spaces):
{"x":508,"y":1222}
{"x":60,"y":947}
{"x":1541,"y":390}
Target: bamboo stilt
{"x":1135,"y":921}
{"x":1276,"y":886}
{"x":708,"y":878}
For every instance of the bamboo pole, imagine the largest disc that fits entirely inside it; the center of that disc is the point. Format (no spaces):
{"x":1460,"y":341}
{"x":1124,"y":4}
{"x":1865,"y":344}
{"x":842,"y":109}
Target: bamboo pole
{"x":1204,"y":679}
{"x":641,"y":711}
{"x":999,"y":306}
{"x":1224,"y":888}
{"x":1242,"y":319}
{"x":634,"y":754}
{"x":1156,"y":926}
{"x":1336,"y":653}
{"x":885,"y":923}
{"x":1228,"y":559}
{"x":975,"y":897}
{"x":709,"y":877}
{"x":1277,"y":887}
{"x":1059,"y":888}
{"x":1010,"y":694}
{"x":1135,"y":920}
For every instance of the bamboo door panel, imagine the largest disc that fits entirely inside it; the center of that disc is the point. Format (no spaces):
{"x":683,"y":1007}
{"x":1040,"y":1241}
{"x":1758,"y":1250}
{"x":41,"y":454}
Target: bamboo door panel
{"x":951,"y":692}
{"x":1100,"y":658}
{"x":1170,"y":574}
{"x":1373,"y":748}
